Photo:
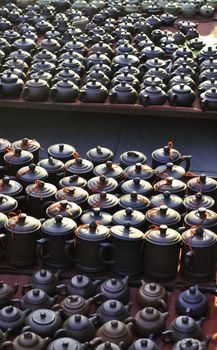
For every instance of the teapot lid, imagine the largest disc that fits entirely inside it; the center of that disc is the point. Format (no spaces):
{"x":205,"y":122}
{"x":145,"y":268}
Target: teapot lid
{"x":28,"y":339}
{"x":61,"y":150}
{"x":153,"y":289}
{"x":136,"y":184}
{"x":37,"y":82}
{"x":144,"y":344}
{"x":134,"y":217}
{"x":99,"y":154}
{"x":132,"y":157}
{"x":64,"y":343}
{"x":134,"y":201}
{"x":102,"y":183}
{"x":184,"y":324}
{"x":41,"y":189}
{"x":111,"y":307}
{"x":73,"y":302}
{"x":73,"y":180}
{"x":32,"y":173}
{"x":58,"y":225}
{"x":79,"y":166}
{"x":77,"y":322}
{"x":163,"y":236}
{"x":72,"y":194}
{"x":18,"y":156}
{"x":166,"y":154}
{"x":202,"y":183}
{"x":9,"y":78}
{"x":7,"y":204}
{"x":148,"y":314}
{"x":102,"y":200}
{"x":114,"y":285}
{"x":189,"y":344}
{"x":199,"y":237}
{"x":43,"y":317}
{"x":10,"y":313}
{"x":35,"y":296}
{"x":192,"y":295}
{"x":126,"y":232}
{"x":170,"y":184}
{"x":96,"y":215}
{"x":22,"y":224}
{"x":108,"y":346}
{"x":64,"y":208}
{"x":201,"y":216}
{"x":166,"y":198}
{"x":51,"y":164}
{"x":92,"y":232}
{"x":4,"y":144}
{"x":115,"y":328}
{"x":43,"y":276}
{"x":198,"y":200}
{"x":80,"y":281}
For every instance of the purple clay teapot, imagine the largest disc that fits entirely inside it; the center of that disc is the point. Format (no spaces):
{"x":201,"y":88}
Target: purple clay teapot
{"x":80,"y":285}
{"x":191,"y":343}
{"x":152,"y":294}
{"x":113,"y":310}
{"x":26,"y":341}
{"x":7,"y":293}
{"x":93,"y":92}
{"x":10,"y":85}
{"x":36,"y":90}
{"x":45,"y":280}
{"x":123,"y":93}
{"x":116,"y":332}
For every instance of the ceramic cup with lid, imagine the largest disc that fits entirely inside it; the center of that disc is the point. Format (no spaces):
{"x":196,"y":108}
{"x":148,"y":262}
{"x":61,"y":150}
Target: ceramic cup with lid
{"x":61,"y":151}
{"x":30,"y":145}
{"x":64,"y":208}
{"x":15,"y":159}
{"x":99,"y":155}
{"x":163,"y":216}
{"x":29,"y":174}
{"x":51,"y":248}
{"x":161,"y":252}
{"x":92,"y":238}
{"x":204,"y":184}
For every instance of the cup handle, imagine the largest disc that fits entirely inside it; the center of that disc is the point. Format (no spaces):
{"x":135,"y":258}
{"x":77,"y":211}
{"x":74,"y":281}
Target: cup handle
{"x":189,"y":260}
{"x":41,"y":244}
{"x":70,"y":245}
{"x":103,"y":247}
{"x":187,"y":160}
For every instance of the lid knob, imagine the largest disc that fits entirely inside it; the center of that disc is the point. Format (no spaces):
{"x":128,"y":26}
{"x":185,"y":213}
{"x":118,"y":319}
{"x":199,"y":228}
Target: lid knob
{"x":198,"y":196}
{"x":170,"y":166}
{"x":108,"y":164}
{"x":22,"y":218}
{"x":6,"y":180}
{"x":1,"y":198}
{"x":17,"y":151}
{"x":113,"y":281}
{"x":93,"y":226}
{"x":43,"y":273}
{"x":163,"y":230}
{"x":36,"y":292}
{"x":192,"y":290}
{"x":199,"y":230}
{"x":113,"y":304}
{"x":64,"y":203}
{"x":149,"y":310}
{"x":27,"y":335}
{"x":133,"y":195}
{"x":51,"y":160}
{"x":153,"y":286}
{"x":9,"y":309}
{"x":73,"y":178}
{"x":32,"y":167}
{"x":107,"y":345}
{"x":58,"y":219}
{"x":136,"y":181}
{"x":102,"y":178}
{"x":166,"y":150}
{"x":114,"y":324}
{"x":79,"y":278}
{"x":185,"y":319}
{"x":99,"y":150}
{"x":61,"y":147}
{"x":129,"y":211}
{"x":166,"y":194}
{"x":202,"y":212}
{"x":78,"y":318}
{"x":96,"y":211}
{"x":103,"y":196}
{"x":144,"y":343}
{"x":203,"y":178}
{"x":138,"y":167}
{"x":169,"y":180}
{"x":43,"y":315}
{"x":79,"y":161}
{"x":163,"y":209}
{"x":25,"y":141}
{"x":65,"y":344}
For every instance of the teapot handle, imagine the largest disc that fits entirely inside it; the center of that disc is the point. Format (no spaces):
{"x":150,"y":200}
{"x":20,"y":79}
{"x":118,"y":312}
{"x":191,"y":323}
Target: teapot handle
{"x":27,"y":287}
{"x":173,"y":99}
{"x":70,"y":245}
{"x":103,"y":247}
{"x":8,"y":345}
{"x":163,"y":305}
{"x":189,"y":260}
{"x":60,"y":333}
{"x":53,"y":92}
{"x":187,"y":160}
{"x":167,"y":336}
{"x":26,"y":93}
{"x":41,"y":244}
{"x":204,"y":105}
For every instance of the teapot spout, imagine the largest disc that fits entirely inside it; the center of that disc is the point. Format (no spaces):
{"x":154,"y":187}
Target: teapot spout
{"x":126,"y":279}
{"x":200,"y":321}
{"x":97,"y":282}
{"x":206,"y":341}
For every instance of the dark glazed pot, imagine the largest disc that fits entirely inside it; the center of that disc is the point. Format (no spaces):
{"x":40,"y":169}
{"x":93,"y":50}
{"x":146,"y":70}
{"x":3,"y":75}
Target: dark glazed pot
{"x":168,"y":154}
{"x":44,"y":280}
{"x":116,"y":288}
{"x":36,"y":90}
{"x":7,"y":293}
{"x":26,"y":341}
{"x":29,"y":145}
{"x":93,"y":92}
{"x":123,"y":94}
{"x":15,"y":159}
{"x":191,"y":343}
{"x":61,"y":151}
{"x":99,"y":155}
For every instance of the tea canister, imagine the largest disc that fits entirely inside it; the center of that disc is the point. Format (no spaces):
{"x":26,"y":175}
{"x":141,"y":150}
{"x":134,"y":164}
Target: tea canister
{"x":198,"y":257}
{"x":163,"y":216}
{"x":51,"y":247}
{"x":93,"y":238}
{"x":168,"y":154}
{"x":22,"y":233}
{"x":161,"y":252}
{"x":30,"y":145}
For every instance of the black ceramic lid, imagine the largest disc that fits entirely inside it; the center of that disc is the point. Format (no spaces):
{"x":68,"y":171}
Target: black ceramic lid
{"x":166,"y":198}
{"x":28,"y":339}
{"x":58,"y":226}
{"x":10,"y":313}
{"x":163,"y":236}
{"x":41,"y":189}
{"x":64,"y":343}
{"x":166,"y":154}
{"x":4,"y":144}
{"x":198,"y":200}
{"x":134,"y":217}
{"x":76,"y":322}
{"x":96,"y":215}
{"x":35,"y":296}
{"x":73,"y":180}
{"x":108,"y":169}
{"x":92,"y":232}
{"x":163,"y":216}
{"x":138,"y":185}
{"x":170,"y":184}
{"x":51,"y":164}
{"x":79,"y":166}
{"x":192,"y":295}
{"x":199,"y":237}
{"x":64,"y":208}
{"x":43,"y":276}
{"x":202,"y":183}
{"x":144,"y":344}
{"x":142,"y":171}
{"x":132,"y":157}
{"x":102,"y":200}
{"x":170,"y":169}
{"x":23,"y":224}
{"x":27,"y":144}
{"x":42,"y":317}
{"x":184,"y":324}
{"x":18,"y":156}
{"x":7,"y":204}
{"x":99,"y":154}
{"x":201,"y":216}
{"x":72,"y":194}
{"x":61,"y":151}
{"x":134,"y":201}
{"x":101,"y":183}
{"x":126,"y":232}
{"x":32,"y":173}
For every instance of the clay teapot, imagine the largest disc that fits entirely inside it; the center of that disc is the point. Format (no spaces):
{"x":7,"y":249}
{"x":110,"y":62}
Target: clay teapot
{"x":144,"y":343}
{"x":116,"y":288}
{"x":10,"y":85}
{"x":112,"y":310}
{"x":93,"y":91}
{"x":80,"y":285}
{"x":149,"y":321}
{"x":6,"y":293}
{"x":78,"y":327}
{"x":123,"y":93}
{"x":192,"y":302}
{"x":63,"y":342}
{"x":181,"y":95}
{"x":64,"y":91}
{"x":67,"y":74}
{"x":191,"y":343}
{"x":44,"y":280}
{"x":34,"y":299}
{"x":152,"y":95}
{"x":12,"y":318}
{"x":116,"y":332}
{"x":75,"y":304}
{"x":27,"y":341}
{"x":152,"y":294}
{"x":183,"y":327}
{"x":36,"y":90}
{"x":168,"y":154}
{"x":108,"y":345}
{"x":44,"y":322}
